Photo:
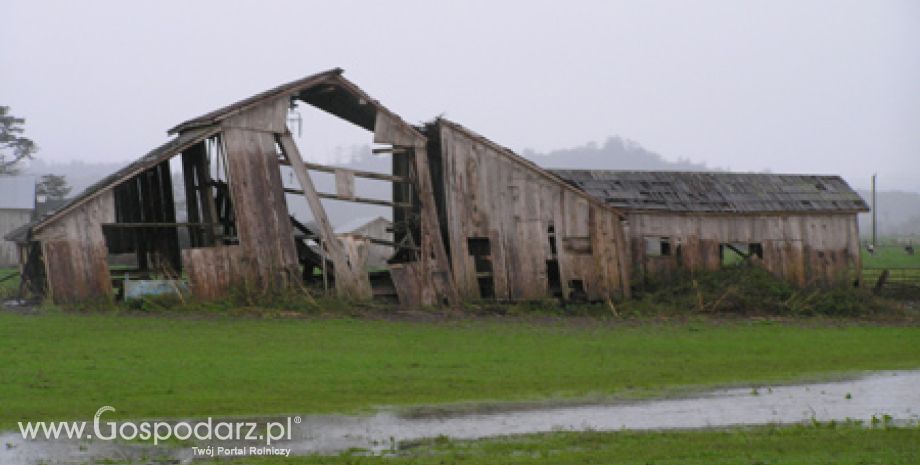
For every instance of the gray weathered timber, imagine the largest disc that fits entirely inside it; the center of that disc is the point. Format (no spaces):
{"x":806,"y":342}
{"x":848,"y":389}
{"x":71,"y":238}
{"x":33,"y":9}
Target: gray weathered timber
{"x":350,"y":281}
{"x":799,"y":227}
{"x":520,"y":233}
{"x":815,"y":249}
{"x":262,"y":222}
{"x":214,"y":272}
{"x":75,"y":253}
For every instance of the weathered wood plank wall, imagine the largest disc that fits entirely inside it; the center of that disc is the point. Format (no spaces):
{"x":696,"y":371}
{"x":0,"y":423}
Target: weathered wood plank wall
{"x":426,"y":280}
{"x":263,"y":225}
{"x":520,"y":211}
{"x":215,"y":272}
{"x":814,"y":249}
{"x":75,"y":252}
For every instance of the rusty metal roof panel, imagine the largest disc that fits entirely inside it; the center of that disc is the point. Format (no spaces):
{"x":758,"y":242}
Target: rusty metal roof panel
{"x":718,"y":192}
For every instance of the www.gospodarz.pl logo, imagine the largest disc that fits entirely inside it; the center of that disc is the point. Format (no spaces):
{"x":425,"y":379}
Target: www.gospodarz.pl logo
{"x":159,"y":431}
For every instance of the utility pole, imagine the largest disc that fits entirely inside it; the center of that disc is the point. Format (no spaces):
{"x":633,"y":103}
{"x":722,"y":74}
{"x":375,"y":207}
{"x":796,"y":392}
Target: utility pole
{"x":874,"y":215}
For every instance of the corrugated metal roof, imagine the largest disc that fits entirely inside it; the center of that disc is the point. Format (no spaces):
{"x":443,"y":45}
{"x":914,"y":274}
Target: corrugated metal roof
{"x":720,"y":192}
{"x":17,"y":192}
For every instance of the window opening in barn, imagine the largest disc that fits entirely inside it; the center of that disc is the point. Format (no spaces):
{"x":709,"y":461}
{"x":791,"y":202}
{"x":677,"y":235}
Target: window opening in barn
{"x":578,"y":290}
{"x":553,"y":275}
{"x":480,"y":249}
{"x":658,"y":246}
{"x":180,"y":203}
{"x":351,"y":187}
{"x":735,"y":253}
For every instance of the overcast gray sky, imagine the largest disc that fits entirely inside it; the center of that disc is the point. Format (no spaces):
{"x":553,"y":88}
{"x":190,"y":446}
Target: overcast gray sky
{"x":790,"y":86}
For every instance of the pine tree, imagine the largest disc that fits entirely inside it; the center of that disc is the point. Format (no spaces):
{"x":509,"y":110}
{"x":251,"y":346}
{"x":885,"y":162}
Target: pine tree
{"x":14,"y":147}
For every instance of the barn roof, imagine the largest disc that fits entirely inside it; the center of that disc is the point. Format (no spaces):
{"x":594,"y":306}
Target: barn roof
{"x":151,"y":159}
{"x":328,"y":91}
{"x":219,"y":114}
{"x":17,"y":192}
{"x":716,"y":192}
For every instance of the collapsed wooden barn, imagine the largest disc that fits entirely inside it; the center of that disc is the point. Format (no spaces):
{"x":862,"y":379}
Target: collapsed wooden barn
{"x":470,"y":219}
{"x":802,"y":228}
{"x":239,"y":230}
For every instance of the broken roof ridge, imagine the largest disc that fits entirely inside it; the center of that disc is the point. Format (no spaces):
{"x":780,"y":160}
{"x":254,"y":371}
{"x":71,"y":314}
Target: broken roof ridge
{"x":226,"y":111}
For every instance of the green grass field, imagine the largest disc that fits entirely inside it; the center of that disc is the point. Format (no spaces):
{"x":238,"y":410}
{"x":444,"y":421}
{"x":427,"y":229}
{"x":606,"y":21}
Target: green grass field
{"x":9,"y":287}
{"x":798,"y":445}
{"x":891,"y":256}
{"x":67,"y":365}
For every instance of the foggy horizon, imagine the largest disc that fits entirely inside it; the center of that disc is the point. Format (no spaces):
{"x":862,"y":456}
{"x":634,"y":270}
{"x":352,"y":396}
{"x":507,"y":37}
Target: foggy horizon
{"x":791,"y":87}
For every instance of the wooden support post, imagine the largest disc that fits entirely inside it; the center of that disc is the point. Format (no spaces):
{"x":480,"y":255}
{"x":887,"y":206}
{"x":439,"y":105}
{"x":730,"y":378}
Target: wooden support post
{"x":206,"y":195}
{"x":168,"y":212}
{"x":191,"y":195}
{"x":348,"y":282}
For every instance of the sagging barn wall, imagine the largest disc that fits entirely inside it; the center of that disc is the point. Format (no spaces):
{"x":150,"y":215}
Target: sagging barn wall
{"x":75,"y":253}
{"x":516,"y":233}
{"x":805,"y":249}
{"x":265,"y":257}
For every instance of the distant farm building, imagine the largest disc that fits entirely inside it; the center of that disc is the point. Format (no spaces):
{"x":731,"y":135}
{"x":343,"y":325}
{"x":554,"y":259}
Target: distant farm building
{"x":378,"y":231}
{"x":17,"y":204}
{"x":800,"y":227}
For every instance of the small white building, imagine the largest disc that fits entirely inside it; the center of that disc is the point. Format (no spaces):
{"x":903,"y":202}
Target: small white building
{"x":17,"y":204}
{"x":378,"y":228}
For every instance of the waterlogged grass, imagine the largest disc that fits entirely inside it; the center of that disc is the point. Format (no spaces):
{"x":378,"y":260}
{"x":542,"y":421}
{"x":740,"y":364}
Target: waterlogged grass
{"x":66,"y":365}
{"x":891,"y":256}
{"x":798,"y":445}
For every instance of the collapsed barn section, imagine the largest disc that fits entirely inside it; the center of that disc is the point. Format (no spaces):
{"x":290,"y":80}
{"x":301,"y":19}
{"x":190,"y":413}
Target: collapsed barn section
{"x":238,"y":234}
{"x":537,"y":237}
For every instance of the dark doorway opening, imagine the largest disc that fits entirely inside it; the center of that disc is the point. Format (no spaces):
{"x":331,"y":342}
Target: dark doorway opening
{"x":481,"y":250}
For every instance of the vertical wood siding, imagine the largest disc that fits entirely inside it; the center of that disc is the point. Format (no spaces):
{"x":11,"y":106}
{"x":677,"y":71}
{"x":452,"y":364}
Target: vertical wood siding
{"x":488,"y":195}
{"x":812,"y":249}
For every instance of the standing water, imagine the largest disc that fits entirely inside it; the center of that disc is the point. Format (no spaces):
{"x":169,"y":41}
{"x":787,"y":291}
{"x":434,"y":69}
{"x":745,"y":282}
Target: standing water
{"x":895,"y":394}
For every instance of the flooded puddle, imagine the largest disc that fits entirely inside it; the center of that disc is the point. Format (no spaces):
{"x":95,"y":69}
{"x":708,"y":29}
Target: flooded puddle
{"x":896,"y":394}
